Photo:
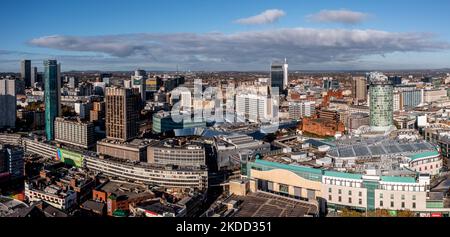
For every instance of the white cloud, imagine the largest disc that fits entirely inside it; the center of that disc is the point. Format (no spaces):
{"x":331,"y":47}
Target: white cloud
{"x":339,"y":16}
{"x":266,"y":17}
{"x":252,"y":49}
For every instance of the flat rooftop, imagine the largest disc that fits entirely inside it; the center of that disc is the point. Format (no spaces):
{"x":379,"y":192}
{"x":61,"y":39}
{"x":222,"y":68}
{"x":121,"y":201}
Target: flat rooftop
{"x":268,"y":205}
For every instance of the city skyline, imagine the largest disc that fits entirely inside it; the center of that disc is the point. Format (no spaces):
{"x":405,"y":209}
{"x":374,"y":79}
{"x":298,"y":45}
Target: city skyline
{"x":168,"y":35}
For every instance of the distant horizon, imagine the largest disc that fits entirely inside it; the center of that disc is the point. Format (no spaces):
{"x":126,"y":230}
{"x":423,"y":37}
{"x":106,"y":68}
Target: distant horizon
{"x":218,"y":36}
{"x":250,"y":71}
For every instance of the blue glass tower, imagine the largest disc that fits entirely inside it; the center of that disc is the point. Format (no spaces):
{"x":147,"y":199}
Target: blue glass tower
{"x":52,"y":96}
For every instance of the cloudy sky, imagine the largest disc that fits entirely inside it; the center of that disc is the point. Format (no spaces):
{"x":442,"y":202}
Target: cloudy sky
{"x":226,"y":34}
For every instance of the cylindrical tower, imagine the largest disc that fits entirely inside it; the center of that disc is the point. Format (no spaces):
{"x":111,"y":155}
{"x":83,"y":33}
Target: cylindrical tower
{"x":381,"y":102}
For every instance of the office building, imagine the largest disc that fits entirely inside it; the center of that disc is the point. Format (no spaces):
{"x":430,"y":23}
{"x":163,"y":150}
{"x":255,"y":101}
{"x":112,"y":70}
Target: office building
{"x":34,"y":77}
{"x":277,"y":77}
{"x":13,"y":161}
{"x":135,"y":150}
{"x":139,"y":81}
{"x":395,"y":80}
{"x":434,"y":95}
{"x":7,"y":103}
{"x":298,"y":110}
{"x":52,"y":96}
{"x":163,"y":122}
{"x":122,"y":111}
{"x":25,"y":72}
{"x":253,"y":107}
{"x":73,"y":82}
{"x":75,"y":132}
{"x":285,"y":74}
{"x":83,"y":109}
{"x":359,"y":88}
{"x":411,"y":98}
{"x":381,"y":102}
{"x":178,"y":151}
{"x":330,"y":83}
{"x":98,"y":111}
{"x":153,"y":84}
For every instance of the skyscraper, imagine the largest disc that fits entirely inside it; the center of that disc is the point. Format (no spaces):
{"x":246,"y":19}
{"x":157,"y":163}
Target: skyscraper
{"x":359,"y":88}
{"x":122,"y":111}
{"x":34,"y":76}
{"x":285,"y":74}
{"x":277,"y":77}
{"x":7,"y":103}
{"x":139,"y":81}
{"x":381,"y":102}
{"x":25,"y":72}
{"x":52,"y":93}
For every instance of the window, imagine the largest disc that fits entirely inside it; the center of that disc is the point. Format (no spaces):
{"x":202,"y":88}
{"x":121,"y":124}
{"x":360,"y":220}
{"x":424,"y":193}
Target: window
{"x":403,"y":204}
{"x":360,"y":201}
{"x":403,"y":197}
{"x":392,"y":204}
{"x":392,"y":196}
{"x":360,"y":194}
{"x":340,"y":199}
{"x":381,"y":203}
{"x":381,"y":195}
{"x":329,"y":190}
{"x":413,"y":205}
{"x":414,"y":197}
{"x":284,"y":188}
{"x":339,"y":191}
{"x":349,"y":200}
{"x":349,"y":192}
{"x":329,"y":198}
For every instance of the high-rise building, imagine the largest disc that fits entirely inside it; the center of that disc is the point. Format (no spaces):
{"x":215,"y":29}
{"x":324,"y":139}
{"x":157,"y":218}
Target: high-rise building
{"x":7,"y":103}
{"x":298,"y":110}
{"x":253,"y":107}
{"x":14,"y":160}
{"x":25,"y":72}
{"x":52,"y":93}
{"x":381,"y":102}
{"x":73,"y":82}
{"x":139,"y":81}
{"x":285,"y":74}
{"x":277,"y":77}
{"x":359,"y":88}
{"x":34,"y":76}
{"x":122,"y":111}
{"x":396,"y":80}
{"x":330,"y":84}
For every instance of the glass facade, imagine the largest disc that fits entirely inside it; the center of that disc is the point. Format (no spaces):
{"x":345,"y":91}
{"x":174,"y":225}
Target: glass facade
{"x":412,"y":98}
{"x":276,"y":76}
{"x":381,"y":105}
{"x":51,"y":96}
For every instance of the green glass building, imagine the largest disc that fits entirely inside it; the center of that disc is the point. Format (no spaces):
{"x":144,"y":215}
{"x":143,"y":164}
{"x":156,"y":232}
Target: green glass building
{"x":52,"y":95}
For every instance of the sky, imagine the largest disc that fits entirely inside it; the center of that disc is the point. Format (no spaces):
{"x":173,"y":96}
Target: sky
{"x":218,"y":35}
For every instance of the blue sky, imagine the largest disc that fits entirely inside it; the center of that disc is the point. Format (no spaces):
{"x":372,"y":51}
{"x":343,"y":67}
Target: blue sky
{"x":207,"y":35}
